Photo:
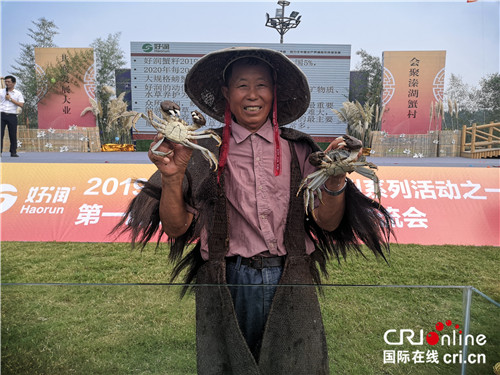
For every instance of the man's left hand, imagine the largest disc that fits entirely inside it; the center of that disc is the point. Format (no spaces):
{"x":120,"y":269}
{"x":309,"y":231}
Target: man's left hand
{"x":334,"y":183}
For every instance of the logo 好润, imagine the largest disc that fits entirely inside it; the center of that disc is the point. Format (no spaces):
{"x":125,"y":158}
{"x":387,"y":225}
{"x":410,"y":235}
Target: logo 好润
{"x":7,"y":197}
{"x":147,"y":47}
{"x":156,"y":47}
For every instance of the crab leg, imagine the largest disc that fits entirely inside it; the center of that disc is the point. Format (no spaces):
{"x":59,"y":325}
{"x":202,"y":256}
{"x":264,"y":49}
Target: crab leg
{"x":206,"y":134}
{"x":306,"y":180}
{"x":368,"y":173}
{"x":207,"y":154}
{"x":156,"y":145}
{"x":152,"y":117}
{"x":308,"y":201}
{"x":313,"y":187}
{"x":317,"y":182}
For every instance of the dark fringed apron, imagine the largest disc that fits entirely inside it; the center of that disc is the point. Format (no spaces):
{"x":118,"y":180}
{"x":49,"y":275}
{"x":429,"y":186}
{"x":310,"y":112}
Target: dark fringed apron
{"x":294,"y":339}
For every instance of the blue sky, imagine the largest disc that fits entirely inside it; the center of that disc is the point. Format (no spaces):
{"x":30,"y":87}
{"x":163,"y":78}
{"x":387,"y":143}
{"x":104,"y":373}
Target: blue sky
{"x":468,"y":32}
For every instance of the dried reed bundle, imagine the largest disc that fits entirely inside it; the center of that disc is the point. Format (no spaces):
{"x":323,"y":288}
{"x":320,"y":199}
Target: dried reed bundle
{"x":95,"y":108}
{"x":450,"y":107}
{"x":348,"y":113}
{"x":116,"y":125}
{"x":441,"y":112}
{"x":116,"y":107}
{"x":359,"y":119}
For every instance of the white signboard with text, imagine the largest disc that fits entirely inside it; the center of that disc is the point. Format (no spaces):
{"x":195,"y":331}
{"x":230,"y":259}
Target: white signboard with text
{"x":158,"y":70}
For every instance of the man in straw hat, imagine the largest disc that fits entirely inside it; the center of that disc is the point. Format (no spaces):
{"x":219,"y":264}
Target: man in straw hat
{"x":249,"y":225}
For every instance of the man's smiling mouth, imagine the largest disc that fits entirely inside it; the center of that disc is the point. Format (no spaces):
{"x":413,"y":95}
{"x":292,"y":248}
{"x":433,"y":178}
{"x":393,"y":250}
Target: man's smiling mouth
{"x":253,"y":108}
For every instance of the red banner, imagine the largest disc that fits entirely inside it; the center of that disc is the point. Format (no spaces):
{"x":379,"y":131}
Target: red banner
{"x":66,"y":202}
{"x":83,"y":202}
{"x":439,"y":206}
{"x":413,"y":82}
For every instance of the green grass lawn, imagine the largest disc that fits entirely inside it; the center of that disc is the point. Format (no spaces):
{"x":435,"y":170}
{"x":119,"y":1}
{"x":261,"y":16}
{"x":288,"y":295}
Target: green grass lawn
{"x":108,"y":326}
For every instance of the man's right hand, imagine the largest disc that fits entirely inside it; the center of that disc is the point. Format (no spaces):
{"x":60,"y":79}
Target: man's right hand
{"x":176,"y":161}
{"x":175,"y":219}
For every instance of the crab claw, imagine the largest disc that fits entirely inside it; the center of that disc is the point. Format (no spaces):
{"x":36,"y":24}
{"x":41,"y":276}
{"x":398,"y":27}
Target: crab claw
{"x":169,"y":108}
{"x":168,"y":105}
{"x":352,"y":143}
{"x":316,"y":158}
{"x":198,"y":119}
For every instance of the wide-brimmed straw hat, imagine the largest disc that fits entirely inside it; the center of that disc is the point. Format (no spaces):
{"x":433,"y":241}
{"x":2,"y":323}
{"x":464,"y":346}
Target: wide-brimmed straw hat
{"x":206,"y":77}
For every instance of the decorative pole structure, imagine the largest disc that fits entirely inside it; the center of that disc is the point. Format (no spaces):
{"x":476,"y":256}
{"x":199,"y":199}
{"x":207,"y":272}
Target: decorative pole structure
{"x":281,"y":23}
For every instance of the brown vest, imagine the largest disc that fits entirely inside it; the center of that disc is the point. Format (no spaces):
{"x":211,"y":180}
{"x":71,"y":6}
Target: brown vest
{"x":294,"y":339}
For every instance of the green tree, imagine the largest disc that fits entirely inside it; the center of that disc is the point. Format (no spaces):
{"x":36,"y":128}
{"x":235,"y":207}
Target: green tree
{"x":42,"y":35}
{"x":373,"y":66}
{"x":462,"y":104}
{"x":108,"y":58}
{"x":489,"y":97}
{"x":364,"y":106}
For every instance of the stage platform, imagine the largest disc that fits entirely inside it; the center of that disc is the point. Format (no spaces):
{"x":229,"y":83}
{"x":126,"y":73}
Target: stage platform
{"x":142,"y":158}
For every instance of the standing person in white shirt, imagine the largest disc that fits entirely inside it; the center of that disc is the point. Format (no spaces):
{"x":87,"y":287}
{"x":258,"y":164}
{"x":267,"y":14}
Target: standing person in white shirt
{"x":10,"y":100}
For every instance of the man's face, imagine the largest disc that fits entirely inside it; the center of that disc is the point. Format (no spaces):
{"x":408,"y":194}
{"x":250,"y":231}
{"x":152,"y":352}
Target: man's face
{"x":250,"y":94}
{"x":10,"y":85}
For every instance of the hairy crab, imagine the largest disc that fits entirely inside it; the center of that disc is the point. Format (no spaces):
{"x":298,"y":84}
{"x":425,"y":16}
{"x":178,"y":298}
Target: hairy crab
{"x":171,"y":127}
{"x":333,"y":163}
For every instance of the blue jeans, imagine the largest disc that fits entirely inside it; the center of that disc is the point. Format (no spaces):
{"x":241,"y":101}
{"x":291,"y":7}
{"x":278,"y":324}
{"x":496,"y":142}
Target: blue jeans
{"x":252,"y":303}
